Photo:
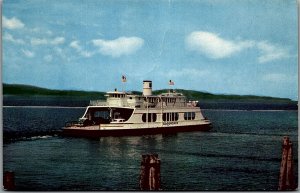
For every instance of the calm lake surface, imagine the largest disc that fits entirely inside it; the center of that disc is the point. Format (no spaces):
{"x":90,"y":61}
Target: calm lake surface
{"x":241,"y":152}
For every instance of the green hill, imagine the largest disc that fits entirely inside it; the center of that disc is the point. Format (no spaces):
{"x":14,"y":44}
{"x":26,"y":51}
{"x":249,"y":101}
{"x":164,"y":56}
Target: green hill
{"x":197,"y":95}
{"x":27,"y":90}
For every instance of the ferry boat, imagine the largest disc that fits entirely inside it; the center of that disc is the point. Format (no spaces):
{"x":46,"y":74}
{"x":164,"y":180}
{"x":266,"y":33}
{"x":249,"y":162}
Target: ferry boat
{"x":126,"y":113}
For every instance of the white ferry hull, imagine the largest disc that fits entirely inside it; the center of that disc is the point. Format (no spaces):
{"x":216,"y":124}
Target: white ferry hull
{"x":96,"y":133}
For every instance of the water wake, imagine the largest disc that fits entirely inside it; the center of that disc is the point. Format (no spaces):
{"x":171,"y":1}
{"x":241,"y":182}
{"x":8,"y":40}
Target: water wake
{"x":27,"y":136}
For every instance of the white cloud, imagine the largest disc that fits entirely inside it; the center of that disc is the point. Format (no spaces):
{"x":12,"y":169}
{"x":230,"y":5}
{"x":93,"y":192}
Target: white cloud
{"x":39,"y":31}
{"x":57,"y":40}
{"x":12,"y":23}
{"x":80,"y":50}
{"x":9,"y":37}
{"x":270,"y":52}
{"x":118,"y":47}
{"x":28,"y":53}
{"x":43,"y":41}
{"x":75,"y":45}
{"x":213,"y":46}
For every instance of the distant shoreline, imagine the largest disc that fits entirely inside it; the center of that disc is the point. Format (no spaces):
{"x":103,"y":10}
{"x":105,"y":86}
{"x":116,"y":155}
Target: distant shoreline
{"x":33,"y":91}
{"x":26,"y":95}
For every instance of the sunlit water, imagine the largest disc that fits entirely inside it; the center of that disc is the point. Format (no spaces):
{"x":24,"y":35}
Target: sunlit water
{"x":241,"y":152}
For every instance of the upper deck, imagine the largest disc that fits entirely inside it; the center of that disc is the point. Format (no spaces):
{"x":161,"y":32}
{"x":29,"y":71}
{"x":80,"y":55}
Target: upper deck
{"x":164,"y":100}
{"x":171,"y":99}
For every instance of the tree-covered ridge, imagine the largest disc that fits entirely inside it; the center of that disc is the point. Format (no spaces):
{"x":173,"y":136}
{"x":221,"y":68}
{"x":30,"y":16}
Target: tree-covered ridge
{"x":198,"y":95}
{"x":27,"y":90}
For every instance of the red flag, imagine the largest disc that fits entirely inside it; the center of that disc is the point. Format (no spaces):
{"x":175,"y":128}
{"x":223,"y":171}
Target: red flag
{"x":171,"y":82}
{"x":123,"y":78}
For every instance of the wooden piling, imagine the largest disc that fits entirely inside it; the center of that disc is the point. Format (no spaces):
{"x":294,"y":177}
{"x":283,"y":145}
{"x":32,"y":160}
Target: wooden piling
{"x":150,"y":172}
{"x":144,"y":173}
{"x":286,"y":178}
{"x":9,"y":180}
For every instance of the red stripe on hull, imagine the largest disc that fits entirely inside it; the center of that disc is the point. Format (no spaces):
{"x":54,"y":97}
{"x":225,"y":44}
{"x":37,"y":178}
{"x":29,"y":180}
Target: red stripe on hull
{"x":134,"y":132}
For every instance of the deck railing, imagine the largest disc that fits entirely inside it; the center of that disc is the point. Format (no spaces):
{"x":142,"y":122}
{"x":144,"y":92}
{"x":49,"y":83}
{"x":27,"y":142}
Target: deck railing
{"x":97,"y":103}
{"x":141,"y":105}
{"x":74,"y":123}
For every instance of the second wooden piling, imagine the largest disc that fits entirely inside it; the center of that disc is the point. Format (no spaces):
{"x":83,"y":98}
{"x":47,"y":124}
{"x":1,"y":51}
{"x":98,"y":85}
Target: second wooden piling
{"x":286,"y":178}
{"x":9,"y":180}
{"x":150,"y":172}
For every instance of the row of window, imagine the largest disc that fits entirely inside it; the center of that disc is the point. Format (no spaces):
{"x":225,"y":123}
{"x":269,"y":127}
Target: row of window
{"x":151,"y":117}
{"x":150,"y":99}
{"x":170,"y":100}
{"x":168,"y":116}
{"x":189,"y":115}
{"x":118,"y":95}
{"x":167,"y":100}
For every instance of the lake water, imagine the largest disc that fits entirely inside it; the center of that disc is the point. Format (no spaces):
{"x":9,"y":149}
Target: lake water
{"x":241,"y":152}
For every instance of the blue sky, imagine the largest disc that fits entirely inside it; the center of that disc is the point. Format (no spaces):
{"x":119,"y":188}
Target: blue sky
{"x":219,"y":46}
